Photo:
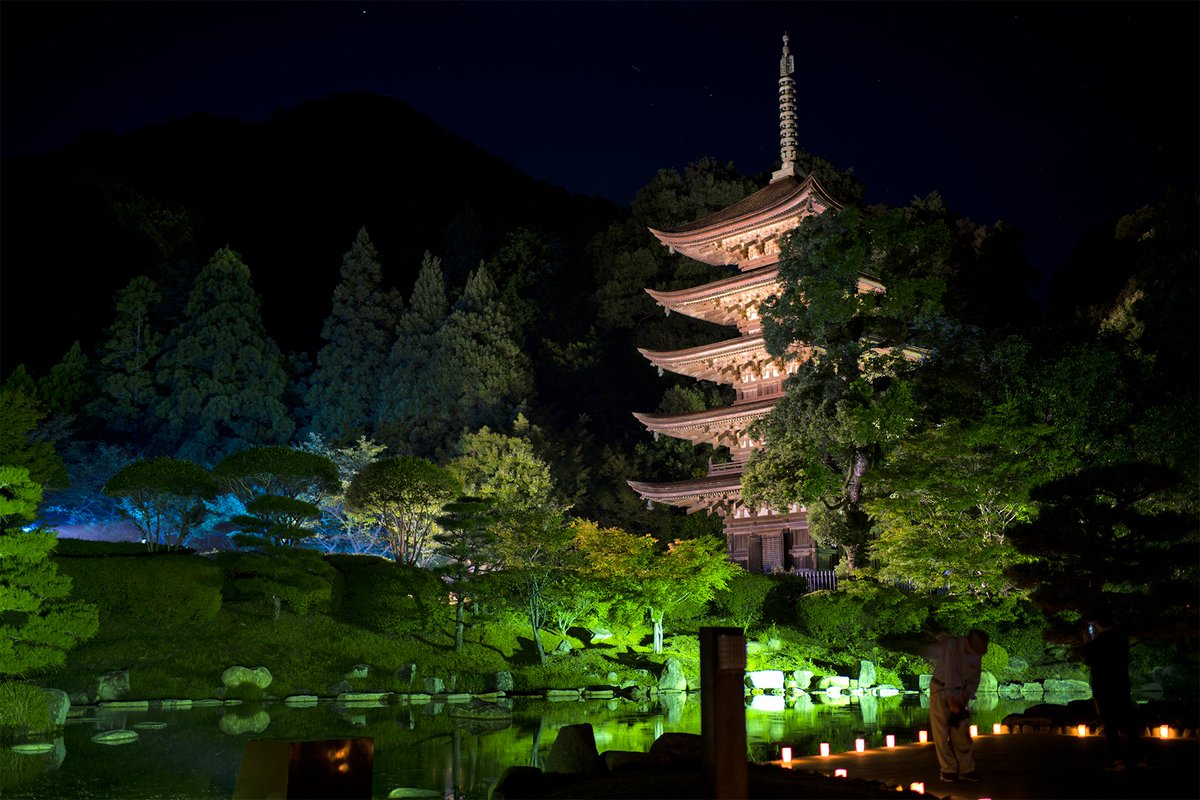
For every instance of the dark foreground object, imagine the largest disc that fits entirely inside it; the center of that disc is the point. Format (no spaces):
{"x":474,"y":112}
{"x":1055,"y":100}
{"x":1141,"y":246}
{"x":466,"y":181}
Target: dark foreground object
{"x":331,"y":769}
{"x":1014,"y":767}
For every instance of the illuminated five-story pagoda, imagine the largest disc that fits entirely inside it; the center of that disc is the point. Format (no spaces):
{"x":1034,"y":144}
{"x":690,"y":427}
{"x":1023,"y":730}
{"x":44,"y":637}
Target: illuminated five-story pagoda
{"x":746,"y":235}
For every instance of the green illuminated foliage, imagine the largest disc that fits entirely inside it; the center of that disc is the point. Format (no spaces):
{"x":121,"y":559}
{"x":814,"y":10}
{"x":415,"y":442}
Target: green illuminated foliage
{"x":38,"y":623}
{"x":21,"y":442}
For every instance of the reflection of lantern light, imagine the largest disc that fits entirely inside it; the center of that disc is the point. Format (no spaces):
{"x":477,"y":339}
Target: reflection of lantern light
{"x":996,"y":728}
{"x":825,"y":749}
{"x":1164,"y":732}
{"x":917,"y":786}
{"x":922,"y":736}
{"x":974,"y":731}
{"x":786,"y":755}
{"x":890,"y":741}
{"x":1081,"y":730}
{"x":839,"y":773}
{"x":860,"y":745}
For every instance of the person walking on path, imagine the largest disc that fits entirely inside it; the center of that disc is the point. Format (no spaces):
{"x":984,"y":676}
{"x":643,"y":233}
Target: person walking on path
{"x":1107,"y":656}
{"x":959,"y":661}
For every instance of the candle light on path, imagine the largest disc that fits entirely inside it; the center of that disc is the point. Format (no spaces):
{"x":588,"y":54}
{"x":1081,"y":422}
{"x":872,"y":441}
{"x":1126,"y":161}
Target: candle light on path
{"x":973,"y":730}
{"x":917,"y":786}
{"x":840,"y":773}
{"x":996,"y":728}
{"x":1081,"y":730}
{"x":825,"y":749}
{"x":890,"y":741}
{"x":1164,"y":732}
{"x":922,"y":736}
{"x":785,"y":755}
{"x":860,"y":745}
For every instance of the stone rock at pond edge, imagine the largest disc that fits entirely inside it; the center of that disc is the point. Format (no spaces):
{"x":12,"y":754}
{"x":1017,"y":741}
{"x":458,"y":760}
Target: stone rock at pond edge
{"x":687,"y":747}
{"x":115,"y":737}
{"x":407,"y":673}
{"x":405,"y":791}
{"x":358,"y":672}
{"x":672,"y":678}
{"x":1031,"y":690}
{"x":803,"y":678}
{"x":1074,"y":688}
{"x":341,"y":687}
{"x":766,"y":679}
{"x":434,"y":685}
{"x":149,"y":725}
{"x":886,"y":691}
{"x":987,"y":683}
{"x":923,"y":681}
{"x":866,"y":674}
{"x":245,"y":676}
{"x":574,"y":751}
{"x":301,"y":700}
{"x":112,"y":685}
{"x":503,"y":682}
{"x":58,"y":704}
{"x":828,"y":682}
{"x":235,"y":724}
{"x":80,"y":698}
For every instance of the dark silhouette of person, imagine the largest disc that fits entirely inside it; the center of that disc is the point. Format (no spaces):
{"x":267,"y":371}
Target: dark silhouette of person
{"x":958,"y":661}
{"x":1107,"y":656}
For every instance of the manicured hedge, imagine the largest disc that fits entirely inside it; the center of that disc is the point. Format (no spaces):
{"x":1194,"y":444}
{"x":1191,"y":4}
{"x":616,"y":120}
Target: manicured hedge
{"x":163,"y":589}
{"x":301,"y":579}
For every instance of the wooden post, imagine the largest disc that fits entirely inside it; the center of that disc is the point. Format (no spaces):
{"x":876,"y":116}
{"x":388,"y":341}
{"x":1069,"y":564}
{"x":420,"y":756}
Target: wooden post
{"x":723,"y":711}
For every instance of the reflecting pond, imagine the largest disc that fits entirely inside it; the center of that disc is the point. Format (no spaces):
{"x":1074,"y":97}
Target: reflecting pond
{"x":439,"y":750}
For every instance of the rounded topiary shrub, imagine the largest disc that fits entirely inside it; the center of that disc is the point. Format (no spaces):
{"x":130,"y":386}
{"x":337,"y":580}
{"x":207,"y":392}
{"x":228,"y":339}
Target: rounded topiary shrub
{"x":301,"y":579}
{"x":387,"y":597}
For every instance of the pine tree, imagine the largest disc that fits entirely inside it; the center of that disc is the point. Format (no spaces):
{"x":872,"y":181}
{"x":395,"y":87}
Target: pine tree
{"x":37,"y":622}
{"x":126,"y":381}
{"x":352,"y":368}
{"x":68,"y":385}
{"x":223,"y":377}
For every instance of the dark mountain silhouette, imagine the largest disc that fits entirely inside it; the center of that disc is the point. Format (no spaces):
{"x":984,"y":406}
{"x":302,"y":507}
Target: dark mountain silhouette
{"x":288,"y":194}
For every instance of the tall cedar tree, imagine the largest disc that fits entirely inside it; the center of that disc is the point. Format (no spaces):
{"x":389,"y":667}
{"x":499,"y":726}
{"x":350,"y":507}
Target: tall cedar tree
{"x":223,"y":377}
{"x":407,"y":403}
{"x":352,"y":367}
{"x":126,"y":381}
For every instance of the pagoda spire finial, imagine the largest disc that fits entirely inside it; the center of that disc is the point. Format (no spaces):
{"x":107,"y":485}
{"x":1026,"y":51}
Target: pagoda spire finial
{"x":787,"y":114}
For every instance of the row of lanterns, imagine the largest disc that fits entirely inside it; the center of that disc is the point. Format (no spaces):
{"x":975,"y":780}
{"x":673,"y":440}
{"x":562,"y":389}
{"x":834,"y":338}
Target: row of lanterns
{"x":860,"y":746}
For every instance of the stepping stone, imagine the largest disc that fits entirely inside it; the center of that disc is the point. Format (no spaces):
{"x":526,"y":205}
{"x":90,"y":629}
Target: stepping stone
{"x":33,"y":748}
{"x":115,"y":737}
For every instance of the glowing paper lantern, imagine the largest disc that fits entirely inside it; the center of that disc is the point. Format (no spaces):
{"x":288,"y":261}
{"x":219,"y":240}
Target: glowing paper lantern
{"x":996,"y":728}
{"x":917,"y":786}
{"x":922,"y":737}
{"x":890,"y":741}
{"x":825,"y":749}
{"x":1164,"y":732}
{"x":786,"y":755}
{"x":860,"y":745}
{"x":974,"y":731}
{"x":839,"y":773}
{"x":1081,"y":730}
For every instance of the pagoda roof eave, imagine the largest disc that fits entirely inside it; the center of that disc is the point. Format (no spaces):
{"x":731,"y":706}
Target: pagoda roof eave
{"x":734,"y":345}
{"x":694,"y":495}
{"x":774,"y":199}
{"x":661,"y":422}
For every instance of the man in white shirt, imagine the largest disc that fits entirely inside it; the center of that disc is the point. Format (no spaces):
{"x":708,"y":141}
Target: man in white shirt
{"x":955,"y":680}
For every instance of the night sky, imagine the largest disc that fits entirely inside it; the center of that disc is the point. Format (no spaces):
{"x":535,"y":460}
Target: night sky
{"x":1054,"y":117}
